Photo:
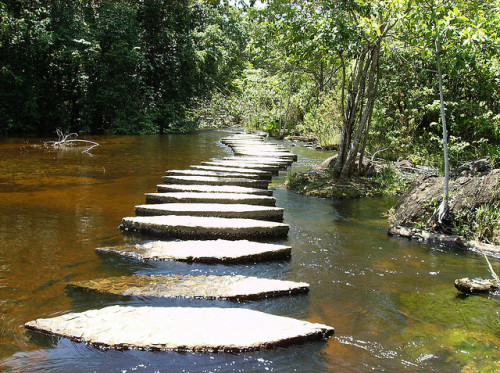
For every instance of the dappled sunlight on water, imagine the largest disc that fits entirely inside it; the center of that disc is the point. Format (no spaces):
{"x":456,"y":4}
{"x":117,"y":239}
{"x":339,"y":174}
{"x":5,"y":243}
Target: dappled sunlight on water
{"x":391,"y":301}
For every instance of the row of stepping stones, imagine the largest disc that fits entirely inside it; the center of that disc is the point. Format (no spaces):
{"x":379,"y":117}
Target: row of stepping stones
{"x":207,"y":213}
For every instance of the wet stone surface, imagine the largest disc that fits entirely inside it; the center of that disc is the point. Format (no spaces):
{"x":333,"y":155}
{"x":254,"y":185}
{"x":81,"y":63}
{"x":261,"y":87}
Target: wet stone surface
{"x":166,"y":188}
{"x":181,"y":328}
{"x":223,"y":198}
{"x":214,"y":251}
{"x":209,"y":287}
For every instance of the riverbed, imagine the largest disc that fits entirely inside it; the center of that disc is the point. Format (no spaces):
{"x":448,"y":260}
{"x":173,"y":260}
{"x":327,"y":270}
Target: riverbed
{"x":391,"y":301}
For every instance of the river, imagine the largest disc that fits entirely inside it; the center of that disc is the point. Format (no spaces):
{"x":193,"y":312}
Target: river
{"x":391,"y":301}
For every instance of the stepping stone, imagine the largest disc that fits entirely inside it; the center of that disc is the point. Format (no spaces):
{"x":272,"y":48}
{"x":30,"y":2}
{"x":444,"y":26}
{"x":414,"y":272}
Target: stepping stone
{"x":193,"y":227}
{"x":212,"y":189}
{"x":181,"y":328}
{"x":212,"y":209}
{"x":208,"y":287}
{"x":265,"y":160}
{"x":262,"y":154}
{"x":266,"y":175}
{"x":271,"y":167}
{"x":216,"y":251}
{"x":210,"y":180}
{"x":247,"y":175}
{"x":226,"y":198}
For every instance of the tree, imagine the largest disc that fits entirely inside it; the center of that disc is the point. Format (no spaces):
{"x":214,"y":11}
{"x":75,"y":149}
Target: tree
{"x":450,"y":31}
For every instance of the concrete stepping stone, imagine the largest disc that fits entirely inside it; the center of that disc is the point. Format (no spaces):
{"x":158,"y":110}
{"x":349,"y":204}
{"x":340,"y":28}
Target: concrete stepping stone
{"x":215,"y":251}
{"x":271,"y":167}
{"x":193,"y":227}
{"x":208,"y":287}
{"x":224,"y":174}
{"x":210,"y":180}
{"x":181,"y":328}
{"x":167,"y":188}
{"x":266,"y":175}
{"x":212,"y":209}
{"x":225,"y":198}
{"x":263,"y":154}
{"x":264,"y":160}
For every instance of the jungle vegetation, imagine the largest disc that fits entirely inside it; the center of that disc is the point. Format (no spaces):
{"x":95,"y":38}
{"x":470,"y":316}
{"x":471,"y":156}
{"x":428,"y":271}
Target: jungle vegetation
{"x":404,"y":78}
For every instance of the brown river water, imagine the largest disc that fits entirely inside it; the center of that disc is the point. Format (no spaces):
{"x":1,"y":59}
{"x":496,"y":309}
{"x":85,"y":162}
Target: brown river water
{"x":391,"y":301}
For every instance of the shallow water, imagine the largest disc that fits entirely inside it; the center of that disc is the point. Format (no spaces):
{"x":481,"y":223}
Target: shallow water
{"x":391,"y":301}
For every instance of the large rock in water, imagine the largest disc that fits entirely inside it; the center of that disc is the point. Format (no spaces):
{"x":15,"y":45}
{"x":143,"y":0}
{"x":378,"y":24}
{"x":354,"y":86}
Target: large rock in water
{"x":210,"y":180}
{"x":209,"y":287}
{"x":470,"y":187}
{"x":204,"y":228}
{"x":181,"y":328}
{"x":212,"y":251}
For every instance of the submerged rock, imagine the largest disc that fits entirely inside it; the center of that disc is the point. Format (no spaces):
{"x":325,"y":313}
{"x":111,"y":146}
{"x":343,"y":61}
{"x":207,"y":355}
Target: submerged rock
{"x":209,"y":287}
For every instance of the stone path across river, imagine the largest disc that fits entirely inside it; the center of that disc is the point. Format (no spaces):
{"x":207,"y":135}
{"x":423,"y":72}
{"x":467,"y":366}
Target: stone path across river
{"x":215,"y":207}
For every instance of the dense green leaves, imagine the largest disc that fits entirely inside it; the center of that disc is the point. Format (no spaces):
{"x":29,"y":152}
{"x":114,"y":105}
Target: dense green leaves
{"x":112,"y":66}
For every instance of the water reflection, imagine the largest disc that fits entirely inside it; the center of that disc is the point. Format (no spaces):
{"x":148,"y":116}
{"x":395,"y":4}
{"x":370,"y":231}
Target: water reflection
{"x":391,"y":301}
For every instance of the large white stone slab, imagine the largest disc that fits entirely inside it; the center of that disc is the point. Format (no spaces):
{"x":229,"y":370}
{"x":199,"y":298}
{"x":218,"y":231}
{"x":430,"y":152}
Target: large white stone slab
{"x":271,"y":167}
{"x":224,"y":174}
{"x":167,"y":188}
{"x":225,"y":198}
{"x":212,"y":251}
{"x":170,"y":226}
{"x":267,"y":175}
{"x":181,"y":328}
{"x":264,"y":154}
{"x":212,"y":209}
{"x":207,"y":180}
{"x":208,"y":287}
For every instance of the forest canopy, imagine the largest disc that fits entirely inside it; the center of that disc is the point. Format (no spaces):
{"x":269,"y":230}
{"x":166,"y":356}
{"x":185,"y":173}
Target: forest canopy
{"x":354,"y":73}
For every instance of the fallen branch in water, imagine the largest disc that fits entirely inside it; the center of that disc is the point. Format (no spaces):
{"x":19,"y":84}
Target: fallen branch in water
{"x":70,"y":139}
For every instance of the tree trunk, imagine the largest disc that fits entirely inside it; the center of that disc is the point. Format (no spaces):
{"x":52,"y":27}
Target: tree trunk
{"x":443,"y":210}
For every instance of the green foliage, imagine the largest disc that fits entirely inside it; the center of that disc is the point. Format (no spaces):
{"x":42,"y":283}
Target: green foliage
{"x":392,"y":182}
{"x":481,"y":224}
{"x":113,"y":66}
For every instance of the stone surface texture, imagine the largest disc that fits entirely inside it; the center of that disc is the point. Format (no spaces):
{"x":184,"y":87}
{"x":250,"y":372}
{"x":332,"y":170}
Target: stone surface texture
{"x":209,"y":287}
{"x":231,"y":198}
{"x":166,"y":188}
{"x":181,"y":328}
{"x":212,"y":251}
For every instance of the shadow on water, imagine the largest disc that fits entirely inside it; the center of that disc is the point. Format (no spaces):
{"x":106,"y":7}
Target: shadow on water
{"x":391,"y":301}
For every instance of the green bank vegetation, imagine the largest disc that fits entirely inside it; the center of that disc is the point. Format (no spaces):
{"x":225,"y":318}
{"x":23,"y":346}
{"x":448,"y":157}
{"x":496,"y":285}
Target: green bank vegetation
{"x":360,"y":76}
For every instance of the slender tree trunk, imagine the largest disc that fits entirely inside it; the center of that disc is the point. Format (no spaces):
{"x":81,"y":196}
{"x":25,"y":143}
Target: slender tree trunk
{"x":443,"y":209}
{"x":365,"y":110}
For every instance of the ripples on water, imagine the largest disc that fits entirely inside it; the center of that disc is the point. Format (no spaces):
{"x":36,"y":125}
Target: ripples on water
{"x":391,"y":301}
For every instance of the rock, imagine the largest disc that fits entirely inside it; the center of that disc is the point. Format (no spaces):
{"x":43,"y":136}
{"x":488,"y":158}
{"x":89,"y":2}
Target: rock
{"x":223,"y":174}
{"x":208,"y":287}
{"x":173,"y":188}
{"x":468,"y":286}
{"x":266,"y":175}
{"x":204,"y":228}
{"x":181,"y":328}
{"x":273,"y":168}
{"x":212,"y":209}
{"x":225,"y":198}
{"x":264,"y":154}
{"x":215,"y":251}
{"x":207,"y":180}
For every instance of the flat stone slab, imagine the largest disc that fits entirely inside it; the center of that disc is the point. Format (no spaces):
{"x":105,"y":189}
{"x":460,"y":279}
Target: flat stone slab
{"x":209,"y":180}
{"x":262,"y":154}
{"x":225,"y":174}
{"x":171,"y":188}
{"x":222,"y":198}
{"x":280,"y":161}
{"x":266,"y":175}
{"x":212,"y":209}
{"x":181,"y":328}
{"x":215,"y":251}
{"x":271,"y":167}
{"x":170,"y":226}
{"x":208,"y":287}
